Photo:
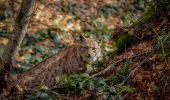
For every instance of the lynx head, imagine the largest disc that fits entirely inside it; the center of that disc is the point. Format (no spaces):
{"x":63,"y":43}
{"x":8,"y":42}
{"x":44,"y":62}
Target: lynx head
{"x":90,"y":51}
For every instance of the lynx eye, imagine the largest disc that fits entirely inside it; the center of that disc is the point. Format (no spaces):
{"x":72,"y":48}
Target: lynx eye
{"x":86,"y":47}
{"x":93,"y":48}
{"x":88,"y":55}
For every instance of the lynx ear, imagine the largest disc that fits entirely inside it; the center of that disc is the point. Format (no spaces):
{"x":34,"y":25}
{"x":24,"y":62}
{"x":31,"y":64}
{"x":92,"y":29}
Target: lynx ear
{"x":82,"y":38}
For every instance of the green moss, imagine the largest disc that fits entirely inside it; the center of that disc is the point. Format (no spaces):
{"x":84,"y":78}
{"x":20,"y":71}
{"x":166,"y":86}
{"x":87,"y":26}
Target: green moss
{"x":122,"y":42}
{"x":154,"y":7}
{"x":148,"y":13}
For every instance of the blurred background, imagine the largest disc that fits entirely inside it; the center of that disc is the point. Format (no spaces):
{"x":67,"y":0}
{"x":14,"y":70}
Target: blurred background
{"x":55,"y":24}
{"x":140,"y":71}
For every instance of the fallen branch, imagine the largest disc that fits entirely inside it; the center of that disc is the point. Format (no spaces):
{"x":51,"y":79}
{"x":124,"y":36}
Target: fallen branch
{"x":118,"y":61}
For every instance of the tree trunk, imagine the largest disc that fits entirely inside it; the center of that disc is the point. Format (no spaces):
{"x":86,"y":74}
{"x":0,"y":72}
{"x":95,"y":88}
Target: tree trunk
{"x":15,"y":40}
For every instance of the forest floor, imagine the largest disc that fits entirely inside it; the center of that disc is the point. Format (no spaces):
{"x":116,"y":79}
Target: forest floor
{"x":141,"y":71}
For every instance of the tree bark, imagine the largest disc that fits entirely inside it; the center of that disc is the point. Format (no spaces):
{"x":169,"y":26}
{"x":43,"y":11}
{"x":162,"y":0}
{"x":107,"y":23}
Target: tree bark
{"x":15,"y":40}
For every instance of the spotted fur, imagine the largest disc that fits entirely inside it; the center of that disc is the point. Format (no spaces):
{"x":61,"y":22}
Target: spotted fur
{"x":69,"y":61}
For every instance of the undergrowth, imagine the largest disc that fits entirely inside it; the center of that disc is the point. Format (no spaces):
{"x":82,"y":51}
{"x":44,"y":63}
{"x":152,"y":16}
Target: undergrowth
{"x":80,"y":85}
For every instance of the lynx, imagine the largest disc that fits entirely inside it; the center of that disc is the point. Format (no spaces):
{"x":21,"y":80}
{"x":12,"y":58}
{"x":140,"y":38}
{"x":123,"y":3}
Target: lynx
{"x":69,"y":61}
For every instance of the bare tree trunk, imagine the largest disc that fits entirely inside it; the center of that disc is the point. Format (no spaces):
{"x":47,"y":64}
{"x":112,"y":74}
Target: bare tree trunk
{"x":15,"y":41}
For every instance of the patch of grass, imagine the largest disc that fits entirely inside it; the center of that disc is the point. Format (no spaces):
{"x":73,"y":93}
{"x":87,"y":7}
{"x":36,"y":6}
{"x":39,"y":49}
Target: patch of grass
{"x":162,"y":44}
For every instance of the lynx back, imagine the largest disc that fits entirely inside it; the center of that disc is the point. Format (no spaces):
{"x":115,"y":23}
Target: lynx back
{"x":69,"y":61}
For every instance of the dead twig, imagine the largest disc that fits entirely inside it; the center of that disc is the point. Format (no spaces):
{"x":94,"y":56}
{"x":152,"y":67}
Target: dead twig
{"x":162,"y":47}
{"x":163,"y":91}
{"x":116,"y":62}
{"x":133,"y":70}
{"x":61,"y":96}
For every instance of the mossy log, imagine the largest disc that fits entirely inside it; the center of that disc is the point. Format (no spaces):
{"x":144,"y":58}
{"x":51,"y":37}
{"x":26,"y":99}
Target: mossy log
{"x":130,"y":35}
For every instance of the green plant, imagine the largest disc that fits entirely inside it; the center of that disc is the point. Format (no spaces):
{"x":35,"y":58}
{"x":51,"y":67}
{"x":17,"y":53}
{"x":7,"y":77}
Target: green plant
{"x":162,"y":43}
{"x":40,"y":95}
{"x":107,"y":10}
{"x":124,"y":89}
